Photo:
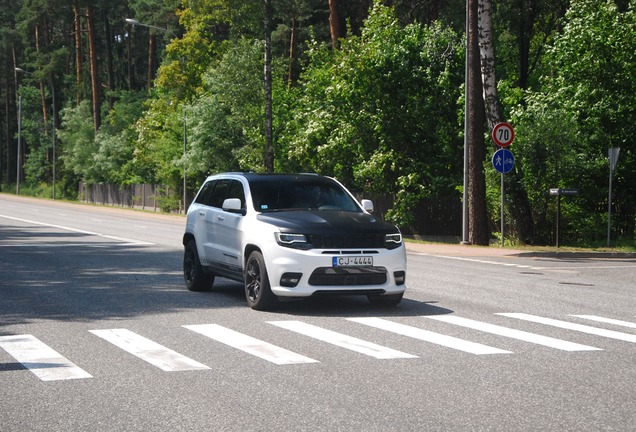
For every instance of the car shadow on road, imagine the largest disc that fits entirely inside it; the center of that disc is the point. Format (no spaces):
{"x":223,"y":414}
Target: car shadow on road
{"x":46,"y":274}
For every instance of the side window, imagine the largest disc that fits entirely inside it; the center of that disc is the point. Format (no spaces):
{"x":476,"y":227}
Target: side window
{"x":220,"y":193}
{"x":236,"y":191}
{"x":206,"y":193}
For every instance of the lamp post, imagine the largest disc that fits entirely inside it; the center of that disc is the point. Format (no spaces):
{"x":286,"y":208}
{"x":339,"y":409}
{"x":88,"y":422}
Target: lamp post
{"x":17,"y":176}
{"x":185,"y":143}
{"x":53,"y":108}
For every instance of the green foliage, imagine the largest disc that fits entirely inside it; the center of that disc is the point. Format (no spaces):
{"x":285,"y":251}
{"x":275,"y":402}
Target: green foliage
{"x":379,"y":113}
{"x":585,"y":106}
{"x":77,"y":137}
{"x":383,"y":113}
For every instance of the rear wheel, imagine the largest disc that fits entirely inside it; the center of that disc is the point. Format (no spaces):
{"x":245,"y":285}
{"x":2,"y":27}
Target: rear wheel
{"x":196,"y":279}
{"x":386,"y":300}
{"x":257,"y":288}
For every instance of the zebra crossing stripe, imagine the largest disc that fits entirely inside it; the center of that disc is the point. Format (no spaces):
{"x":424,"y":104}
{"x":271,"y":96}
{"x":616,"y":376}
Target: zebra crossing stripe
{"x":572,"y":326}
{"x":428,"y":336}
{"x":342,"y":340}
{"x":511,"y":333}
{"x":149,"y":351}
{"x":46,"y":363}
{"x":607,"y":320}
{"x":250,"y":345}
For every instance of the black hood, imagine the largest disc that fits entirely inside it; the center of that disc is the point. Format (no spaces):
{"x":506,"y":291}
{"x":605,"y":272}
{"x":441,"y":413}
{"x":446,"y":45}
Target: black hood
{"x":327,"y":222}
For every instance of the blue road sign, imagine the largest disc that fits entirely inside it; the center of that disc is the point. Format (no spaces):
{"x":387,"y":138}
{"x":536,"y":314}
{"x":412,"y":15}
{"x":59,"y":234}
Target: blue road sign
{"x":503,"y":161}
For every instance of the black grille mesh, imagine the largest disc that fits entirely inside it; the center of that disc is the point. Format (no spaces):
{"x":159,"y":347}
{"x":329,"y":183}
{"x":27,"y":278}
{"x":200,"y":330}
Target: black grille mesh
{"x":352,"y":276}
{"x":347,"y":241}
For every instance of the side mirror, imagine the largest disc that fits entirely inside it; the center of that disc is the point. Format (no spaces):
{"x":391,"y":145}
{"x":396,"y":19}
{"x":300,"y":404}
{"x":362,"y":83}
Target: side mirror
{"x":233,"y":205}
{"x":367,"y":205}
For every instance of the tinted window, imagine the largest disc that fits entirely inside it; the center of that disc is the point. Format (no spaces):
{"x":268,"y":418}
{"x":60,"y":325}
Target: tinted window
{"x":205,"y":194}
{"x":235,"y":190}
{"x":220,"y":192}
{"x":300,"y":193}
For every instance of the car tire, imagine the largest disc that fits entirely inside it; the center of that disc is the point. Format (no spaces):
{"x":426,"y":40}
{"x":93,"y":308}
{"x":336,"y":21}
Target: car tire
{"x":257,"y":288}
{"x":196,"y":279}
{"x":389,"y":300}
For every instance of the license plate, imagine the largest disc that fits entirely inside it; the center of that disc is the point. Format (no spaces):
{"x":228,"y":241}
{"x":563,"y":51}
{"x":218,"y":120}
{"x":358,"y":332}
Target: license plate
{"x":352,"y":261}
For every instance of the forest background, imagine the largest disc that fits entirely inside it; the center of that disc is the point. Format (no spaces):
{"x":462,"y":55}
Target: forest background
{"x":371,"y":92}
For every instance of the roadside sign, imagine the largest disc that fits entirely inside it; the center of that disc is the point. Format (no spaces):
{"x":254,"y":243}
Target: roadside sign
{"x":503,"y":134}
{"x":613,"y":156}
{"x":564,"y":191}
{"x":503,"y":161}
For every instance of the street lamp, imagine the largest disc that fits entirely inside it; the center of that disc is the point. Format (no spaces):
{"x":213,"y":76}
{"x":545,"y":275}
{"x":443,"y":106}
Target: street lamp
{"x":133,"y":22}
{"x":22,"y":71}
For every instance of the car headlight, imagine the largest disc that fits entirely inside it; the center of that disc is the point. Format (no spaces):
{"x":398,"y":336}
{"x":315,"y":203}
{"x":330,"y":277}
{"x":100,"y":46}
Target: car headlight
{"x":297,"y":241}
{"x":393,"y":241}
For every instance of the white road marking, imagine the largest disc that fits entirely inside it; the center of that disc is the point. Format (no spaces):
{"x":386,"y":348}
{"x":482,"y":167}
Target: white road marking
{"x":149,"y":351}
{"x":511,"y":333}
{"x":428,"y":336}
{"x":46,"y":363}
{"x":110,"y":237}
{"x":342,"y":340}
{"x":572,"y":326}
{"x":607,"y":320}
{"x":250,"y":345}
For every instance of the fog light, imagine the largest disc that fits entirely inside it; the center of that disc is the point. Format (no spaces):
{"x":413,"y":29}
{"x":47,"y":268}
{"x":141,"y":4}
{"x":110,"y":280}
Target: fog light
{"x":400,"y":277}
{"x":290,"y":279}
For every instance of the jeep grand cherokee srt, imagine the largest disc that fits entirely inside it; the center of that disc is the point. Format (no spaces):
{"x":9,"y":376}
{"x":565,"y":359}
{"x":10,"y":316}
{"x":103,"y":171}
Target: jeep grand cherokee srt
{"x":290,"y":235}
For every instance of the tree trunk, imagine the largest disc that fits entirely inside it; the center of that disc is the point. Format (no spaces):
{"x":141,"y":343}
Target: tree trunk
{"x":269,"y":145}
{"x":292,"y":45}
{"x":151,"y":60}
{"x":78,"y":53}
{"x":487,"y":53}
{"x":519,"y":205}
{"x":477,"y":216}
{"x":109,"y":60}
{"x":334,"y":23}
{"x":42,"y":94}
{"x":94,"y":70}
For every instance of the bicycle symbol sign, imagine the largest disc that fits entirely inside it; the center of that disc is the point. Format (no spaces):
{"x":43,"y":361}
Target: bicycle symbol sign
{"x":503,"y":161}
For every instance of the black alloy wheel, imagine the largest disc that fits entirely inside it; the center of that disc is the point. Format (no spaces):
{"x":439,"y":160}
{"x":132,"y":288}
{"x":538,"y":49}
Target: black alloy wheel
{"x":257,"y":288}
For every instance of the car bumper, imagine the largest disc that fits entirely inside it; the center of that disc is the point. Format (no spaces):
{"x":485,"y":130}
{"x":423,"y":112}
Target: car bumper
{"x":302,"y":273}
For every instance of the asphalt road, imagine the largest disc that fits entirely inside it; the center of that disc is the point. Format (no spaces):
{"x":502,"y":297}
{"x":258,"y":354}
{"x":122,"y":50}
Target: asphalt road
{"x":98,"y":333}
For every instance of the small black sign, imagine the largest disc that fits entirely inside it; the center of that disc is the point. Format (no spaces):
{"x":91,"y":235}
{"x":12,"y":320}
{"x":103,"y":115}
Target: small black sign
{"x":564,"y":191}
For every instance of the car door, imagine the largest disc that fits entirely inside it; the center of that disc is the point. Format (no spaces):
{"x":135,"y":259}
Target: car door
{"x":200,"y":226}
{"x":228,"y":230}
{"x":209,"y":216}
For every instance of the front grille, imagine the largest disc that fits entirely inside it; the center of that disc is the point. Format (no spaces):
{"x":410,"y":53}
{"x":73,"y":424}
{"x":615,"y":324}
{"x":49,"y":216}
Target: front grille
{"x":348,"y":276}
{"x":346,"y":241}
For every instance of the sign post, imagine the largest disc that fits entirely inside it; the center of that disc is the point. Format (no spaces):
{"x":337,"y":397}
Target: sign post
{"x":503,"y":160}
{"x":561,"y":192}
{"x":613,"y":157}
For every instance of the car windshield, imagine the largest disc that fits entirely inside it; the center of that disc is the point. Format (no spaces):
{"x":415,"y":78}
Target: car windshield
{"x":300,"y":193}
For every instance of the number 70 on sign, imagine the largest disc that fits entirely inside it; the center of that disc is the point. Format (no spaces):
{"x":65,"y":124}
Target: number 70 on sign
{"x":503,"y":134}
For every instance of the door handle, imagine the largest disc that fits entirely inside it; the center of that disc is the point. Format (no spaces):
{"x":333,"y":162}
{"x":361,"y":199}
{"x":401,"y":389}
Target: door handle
{"x":221,"y":218}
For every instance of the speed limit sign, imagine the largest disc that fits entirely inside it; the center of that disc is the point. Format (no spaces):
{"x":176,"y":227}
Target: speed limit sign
{"x":503,"y":134}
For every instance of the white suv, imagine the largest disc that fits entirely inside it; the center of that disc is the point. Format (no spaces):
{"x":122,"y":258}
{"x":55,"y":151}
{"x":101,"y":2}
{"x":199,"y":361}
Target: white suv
{"x":290,"y":235}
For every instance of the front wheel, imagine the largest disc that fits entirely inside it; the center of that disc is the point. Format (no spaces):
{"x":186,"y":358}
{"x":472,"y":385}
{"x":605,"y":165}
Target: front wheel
{"x":386,"y":300}
{"x":195,"y":277}
{"x":257,"y":288}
